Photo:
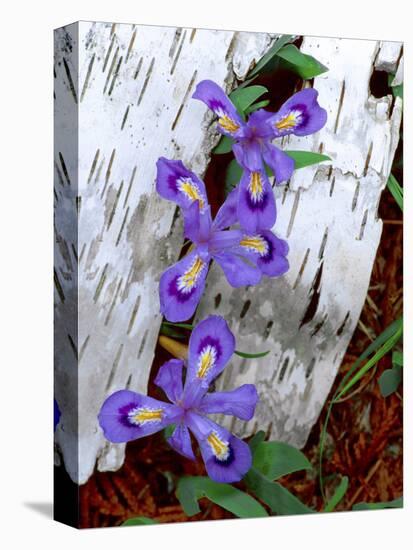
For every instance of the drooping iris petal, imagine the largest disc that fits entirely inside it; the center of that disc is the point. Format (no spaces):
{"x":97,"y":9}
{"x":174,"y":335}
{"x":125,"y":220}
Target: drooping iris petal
{"x":237,"y":269}
{"x":227,"y":215}
{"x":126,"y":415}
{"x":229,"y":121}
{"x":281,"y":164}
{"x":181,"y":287}
{"x":248,"y":154}
{"x":256,"y":204}
{"x":176,"y":183}
{"x":227,"y":459}
{"x":267,"y":251}
{"x":169,"y":379}
{"x":180,"y":441}
{"x":210,"y":347}
{"x":240,"y":402}
{"x":300,"y":115}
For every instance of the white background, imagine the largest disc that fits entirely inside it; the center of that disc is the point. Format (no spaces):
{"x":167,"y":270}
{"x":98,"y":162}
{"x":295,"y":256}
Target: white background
{"x":26,"y":179}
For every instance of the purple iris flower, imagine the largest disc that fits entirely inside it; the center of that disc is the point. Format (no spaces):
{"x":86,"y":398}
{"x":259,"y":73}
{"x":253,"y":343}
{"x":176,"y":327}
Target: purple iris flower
{"x":300,"y":115}
{"x":126,"y":415}
{"x":243,"y":256}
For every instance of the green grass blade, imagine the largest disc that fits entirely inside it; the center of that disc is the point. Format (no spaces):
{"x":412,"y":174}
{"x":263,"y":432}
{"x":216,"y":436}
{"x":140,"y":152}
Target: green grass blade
{"x":396,"y":190}
{"x":338,"y":495}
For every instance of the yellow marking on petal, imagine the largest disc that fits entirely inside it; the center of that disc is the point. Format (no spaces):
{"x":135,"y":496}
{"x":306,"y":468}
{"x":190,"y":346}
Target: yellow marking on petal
{"x":256,"y":186}
{"x":256,"y":244}
{"x":142,"y":416}
{"x":206,"y":361}
{"x":288,"y":122}
{"x":191,"y":190}
{"x":228,"y":124}
{"x":189,"y":279}
{"x":219,"y":447}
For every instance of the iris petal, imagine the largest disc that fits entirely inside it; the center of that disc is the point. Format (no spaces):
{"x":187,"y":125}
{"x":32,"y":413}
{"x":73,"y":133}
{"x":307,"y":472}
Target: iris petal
{"x":126,"y":415}
{"x":300,"y":115}
{"x":237,"y":269}
{"x":281,"y":164}
{"x":229,"y":121}
{"x":227,"y":459}
{"x":176,"y":183}
{"x":180,"y":441}
{"x":256,"y":204}
{"x":169,"y":379}
{"x":210,"y":347}
{"x":240,"y":402}
{"x":181,"y":287}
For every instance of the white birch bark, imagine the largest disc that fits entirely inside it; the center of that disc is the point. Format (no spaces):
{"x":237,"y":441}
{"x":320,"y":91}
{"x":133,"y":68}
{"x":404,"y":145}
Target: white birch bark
{"x":122,"y":99}
{"x":328,"y":214}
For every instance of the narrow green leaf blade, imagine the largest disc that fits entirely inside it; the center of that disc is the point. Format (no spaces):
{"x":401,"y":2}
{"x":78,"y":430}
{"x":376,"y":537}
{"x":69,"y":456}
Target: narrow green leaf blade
{"x":396,"y":503}
{"x":306,"y":158}
{"x":256,"y":106}
{"x":390,"y":380}
{"x":275,"y":459}
{"x":242,"y":98}
{"x":338,"y":495}
{"x":242,"y":505}
{"x":396,"y":190}
{"x":272,"y":52}
{"x":279,"y":499}
{"x":251,"y":355}
{"x":301,"y":63}
{"x":140,"y":520}
{"x":224,"y":146}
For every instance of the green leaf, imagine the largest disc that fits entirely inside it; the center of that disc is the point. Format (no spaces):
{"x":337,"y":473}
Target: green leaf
{"x":242,"y":98}
{"x":251,"y":355}
{"x":188,"y":326}
{"x":272,"y":52}
{"x":397,"y":358}
{"x":306,"y":158}
{"x":232,"y":176}
{"x":224,"y":146}
{"x":396,"y":503}
{"x":256,"y":440}
{"x":390,"y":380}
{"x":242,"y":505}
{"x":396,"y":190}
{"x":338,"y":495}
{"x":275,"y":459}
{"x":169,"y":331}
{"x":397,"y":89}
{"x":277,"y":497}
{"x":256,"y":106}
{"x":140,"y":520}
{"x":301,"y":63}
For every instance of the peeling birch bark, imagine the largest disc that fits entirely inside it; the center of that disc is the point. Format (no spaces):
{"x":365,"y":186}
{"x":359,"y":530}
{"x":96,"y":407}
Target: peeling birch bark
{"x":122,"y":99}
{"x":328,"y":214}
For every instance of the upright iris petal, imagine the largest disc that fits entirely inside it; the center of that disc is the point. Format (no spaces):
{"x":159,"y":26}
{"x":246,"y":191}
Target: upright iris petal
{"x":300,"y":115}
{"x":126,"y":415}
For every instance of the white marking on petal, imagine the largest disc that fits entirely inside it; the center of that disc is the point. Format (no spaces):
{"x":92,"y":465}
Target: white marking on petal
{"x":191,"y":190}
{"x":256,"y":244}
{"x":207,"y":359}
{"x":144,"y":415}
{"x":219,"y":446}
{"x":189,"y":279}
{"x":289,"y":121}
